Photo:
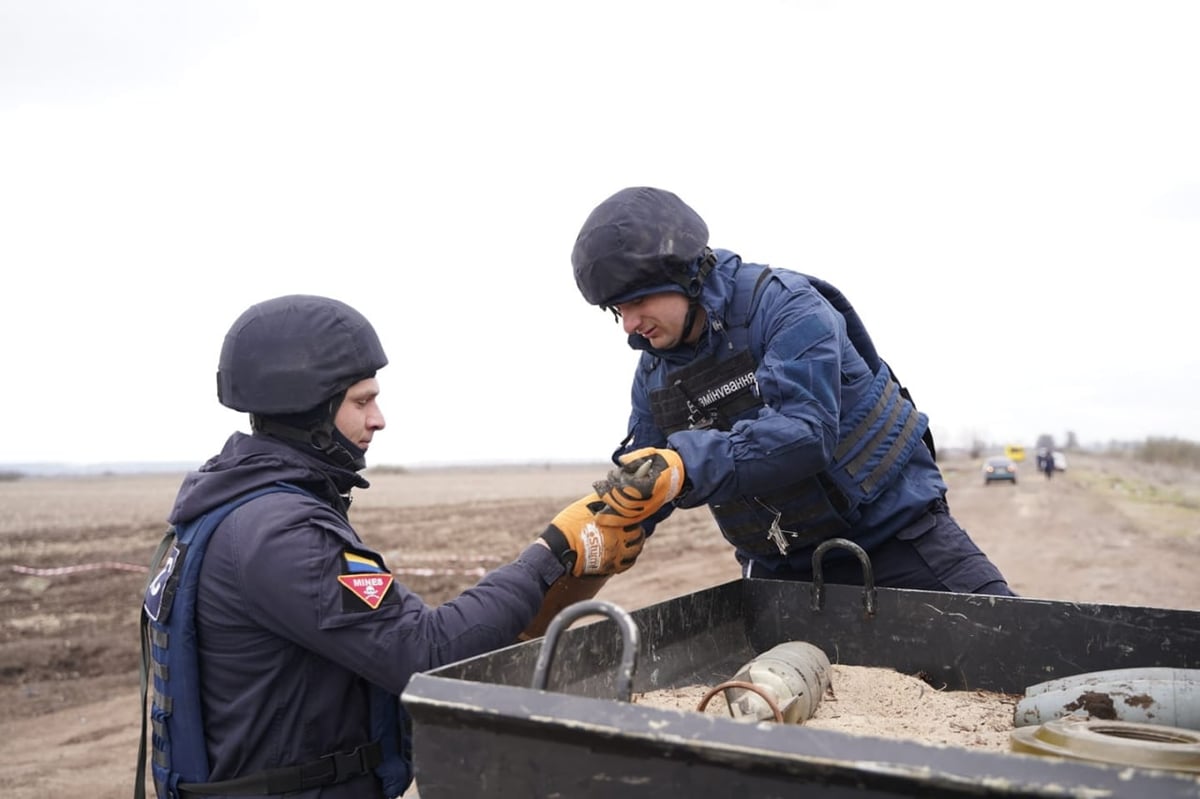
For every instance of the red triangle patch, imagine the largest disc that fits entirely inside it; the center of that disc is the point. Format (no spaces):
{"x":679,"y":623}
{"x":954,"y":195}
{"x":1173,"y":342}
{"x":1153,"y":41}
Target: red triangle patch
{"x":370,"y":588}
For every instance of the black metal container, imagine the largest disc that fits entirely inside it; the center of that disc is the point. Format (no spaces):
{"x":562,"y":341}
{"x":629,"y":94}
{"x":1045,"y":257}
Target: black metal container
{"x":481,"y":728}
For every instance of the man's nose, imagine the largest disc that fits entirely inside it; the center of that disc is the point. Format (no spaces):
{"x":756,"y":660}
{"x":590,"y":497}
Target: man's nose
{"x":631,"y":322}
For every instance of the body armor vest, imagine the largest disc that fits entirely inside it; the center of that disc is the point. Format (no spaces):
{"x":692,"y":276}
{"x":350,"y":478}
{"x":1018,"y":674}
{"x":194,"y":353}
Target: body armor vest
{"x":877,"y":432}
{"x":170,"y":665}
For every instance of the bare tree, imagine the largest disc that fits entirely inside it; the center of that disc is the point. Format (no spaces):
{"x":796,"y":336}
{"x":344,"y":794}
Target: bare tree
{"x":978,"y":445}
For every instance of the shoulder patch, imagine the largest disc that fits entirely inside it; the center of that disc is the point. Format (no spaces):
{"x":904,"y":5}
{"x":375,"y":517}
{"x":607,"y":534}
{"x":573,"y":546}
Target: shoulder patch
{"x":365,"y":579}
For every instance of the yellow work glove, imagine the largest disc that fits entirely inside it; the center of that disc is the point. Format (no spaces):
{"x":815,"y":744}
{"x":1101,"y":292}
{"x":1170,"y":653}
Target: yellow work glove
{"x":647,"y":479}
{"x":585,"y":547}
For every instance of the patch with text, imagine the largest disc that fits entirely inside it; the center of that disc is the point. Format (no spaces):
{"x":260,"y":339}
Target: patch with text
{"x":367,"y":581}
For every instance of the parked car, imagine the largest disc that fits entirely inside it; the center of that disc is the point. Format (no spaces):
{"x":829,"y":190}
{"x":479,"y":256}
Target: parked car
{"x":999,"y":468}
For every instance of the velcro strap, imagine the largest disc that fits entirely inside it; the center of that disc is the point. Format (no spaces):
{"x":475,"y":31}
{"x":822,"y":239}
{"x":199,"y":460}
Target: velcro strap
{"x":328,"y":770}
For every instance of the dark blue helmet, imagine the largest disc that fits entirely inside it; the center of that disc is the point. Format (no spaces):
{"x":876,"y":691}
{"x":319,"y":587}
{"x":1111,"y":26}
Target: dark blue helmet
{"x":290,"y":354}
{"x":639,"y":241}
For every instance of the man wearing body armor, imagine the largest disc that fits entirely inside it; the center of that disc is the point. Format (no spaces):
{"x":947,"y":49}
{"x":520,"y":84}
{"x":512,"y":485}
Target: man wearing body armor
{"x":764,"y":386}
{"x":277,"y":639}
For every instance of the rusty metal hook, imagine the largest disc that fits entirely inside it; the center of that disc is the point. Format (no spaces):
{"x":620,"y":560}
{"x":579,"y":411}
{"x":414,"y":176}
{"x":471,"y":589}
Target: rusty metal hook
{"x":749,"y":686}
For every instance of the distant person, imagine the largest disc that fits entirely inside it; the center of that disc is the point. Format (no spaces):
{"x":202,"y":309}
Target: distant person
{"x":1048,"y":464}
{"x":281,"y":643}
{"x":764,"y":385}
{"x":1045,"y":456}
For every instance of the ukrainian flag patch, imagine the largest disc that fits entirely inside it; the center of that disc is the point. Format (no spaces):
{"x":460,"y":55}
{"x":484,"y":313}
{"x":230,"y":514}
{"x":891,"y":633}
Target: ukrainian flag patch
{"x":357,"y":564}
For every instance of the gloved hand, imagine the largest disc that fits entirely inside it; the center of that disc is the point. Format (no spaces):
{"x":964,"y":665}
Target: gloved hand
{"x":648,"y":479}
{"x":584,"y":547}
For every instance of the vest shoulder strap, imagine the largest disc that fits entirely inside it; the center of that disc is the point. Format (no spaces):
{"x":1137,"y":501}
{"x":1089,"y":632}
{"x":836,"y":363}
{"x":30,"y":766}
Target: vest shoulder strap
{"x":745,"y":301}
{"x":862,"y":342}
{"x":169,"y":611}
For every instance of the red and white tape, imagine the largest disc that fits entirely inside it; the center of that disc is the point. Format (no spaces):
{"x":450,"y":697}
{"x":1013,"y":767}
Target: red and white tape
{"x":86,"y":567}
{"x":477,"y":571}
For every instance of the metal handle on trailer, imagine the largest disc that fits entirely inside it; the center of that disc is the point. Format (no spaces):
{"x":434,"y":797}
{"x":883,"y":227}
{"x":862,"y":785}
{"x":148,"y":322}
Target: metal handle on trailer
{"x":630,"y":639}
{"x":818,"y":585}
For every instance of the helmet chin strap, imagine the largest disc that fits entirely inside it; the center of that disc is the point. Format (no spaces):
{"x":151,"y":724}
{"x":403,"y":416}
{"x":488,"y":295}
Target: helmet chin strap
{"x":326,"y":439}
{"x":316,"y":430}
{"x":357,"y":457}
{"x":708,"y":259}
{"x":337,"y":449}
{"x":689,"y":321}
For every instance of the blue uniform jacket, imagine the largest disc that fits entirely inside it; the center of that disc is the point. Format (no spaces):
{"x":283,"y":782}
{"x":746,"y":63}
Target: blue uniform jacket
{"x":286,"y":650}
{"x":806,"y":370}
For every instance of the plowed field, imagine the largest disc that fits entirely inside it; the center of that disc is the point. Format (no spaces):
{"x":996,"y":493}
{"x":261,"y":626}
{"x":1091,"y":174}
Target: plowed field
{"x":73,"y":554}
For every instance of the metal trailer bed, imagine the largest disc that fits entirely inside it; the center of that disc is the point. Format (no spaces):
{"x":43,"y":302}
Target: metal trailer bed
{"x":481,"y":728}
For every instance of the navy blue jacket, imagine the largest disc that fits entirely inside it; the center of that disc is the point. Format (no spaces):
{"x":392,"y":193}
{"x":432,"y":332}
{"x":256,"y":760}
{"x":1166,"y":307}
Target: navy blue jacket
{"x":811,"y":387}
{"x":287,"y":650}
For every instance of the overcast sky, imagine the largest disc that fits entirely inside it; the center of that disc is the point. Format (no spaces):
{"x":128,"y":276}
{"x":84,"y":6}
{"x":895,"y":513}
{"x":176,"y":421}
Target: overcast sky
{"x":1008,"y":192}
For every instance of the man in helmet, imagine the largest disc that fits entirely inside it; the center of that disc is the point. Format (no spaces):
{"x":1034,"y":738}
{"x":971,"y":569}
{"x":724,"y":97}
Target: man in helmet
{"x":763,"y":385}
{"x":279,"y":639}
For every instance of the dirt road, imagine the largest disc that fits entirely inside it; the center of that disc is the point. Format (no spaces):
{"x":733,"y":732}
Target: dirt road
{"x":1104,"y":531}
